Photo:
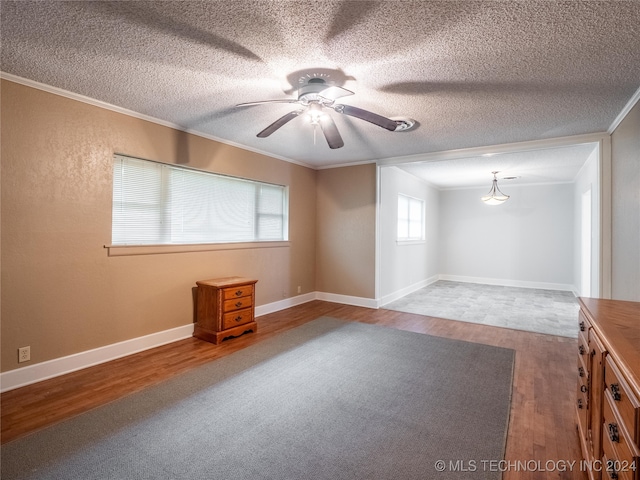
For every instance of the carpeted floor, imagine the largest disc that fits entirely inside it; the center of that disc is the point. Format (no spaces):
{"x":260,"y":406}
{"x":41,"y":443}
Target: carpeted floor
{"x":328,"y":400}
{"x":542,"y":311}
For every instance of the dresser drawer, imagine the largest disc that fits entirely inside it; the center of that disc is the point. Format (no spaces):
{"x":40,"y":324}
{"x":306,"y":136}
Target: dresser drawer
{"x":240,"y":317}
{"x":237,"y":303}
{"x":612,"y":468}
{"x":583,"y":386}
{"x":621,"y":447}
{"x":625,"y":403}
{"x":612,"y":332}
{"x":584,"y":359}
{"x":583,"y":323}
{"x":582,"y":370}
{"x":582,"y":405}
{"x":583,"y":347}
{"x":237,"y":292}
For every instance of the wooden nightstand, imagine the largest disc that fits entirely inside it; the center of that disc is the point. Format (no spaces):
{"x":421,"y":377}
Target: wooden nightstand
{"x":225,"y":308}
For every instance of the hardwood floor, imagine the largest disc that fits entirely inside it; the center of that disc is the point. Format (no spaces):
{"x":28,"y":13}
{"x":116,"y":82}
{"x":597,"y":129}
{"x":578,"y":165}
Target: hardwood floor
{"x":542,"y":438}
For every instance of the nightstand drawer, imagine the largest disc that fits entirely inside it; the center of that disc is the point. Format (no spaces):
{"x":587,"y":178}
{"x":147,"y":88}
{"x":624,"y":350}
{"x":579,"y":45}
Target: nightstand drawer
{"x":237,"y":292}
{"x":237,"y":303}
{"x":239,"y":317}
{"x":625,"y":404}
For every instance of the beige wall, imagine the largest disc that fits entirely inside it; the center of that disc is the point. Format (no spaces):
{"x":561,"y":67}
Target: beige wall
{"x":61,"y":292}
{"x":625,"y":206}
{"x":346,"y":206}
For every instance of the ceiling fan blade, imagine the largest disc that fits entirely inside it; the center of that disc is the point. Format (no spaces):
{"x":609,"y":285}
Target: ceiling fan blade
{"x":279,"y":123}
{"x":331,"y":132}
{"x":367,"y":116}
{"x":248,"y":104}
{"x":333,"y":93}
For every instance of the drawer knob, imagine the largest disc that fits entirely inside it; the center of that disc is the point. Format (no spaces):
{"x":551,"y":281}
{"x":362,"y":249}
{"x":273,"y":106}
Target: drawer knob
{"x":581,"y":371}
{"x":615,"y":392}
{"x":582,"y":350}
{"x":582,"y":326}
{"x":238,"y":304}
{"x":613,"y":432}
{"x":611,"y":470}
{"x":238,"y":293}
{"x":583,"y":388}
{"x":580,"y":403}
{"x":238,"y":318}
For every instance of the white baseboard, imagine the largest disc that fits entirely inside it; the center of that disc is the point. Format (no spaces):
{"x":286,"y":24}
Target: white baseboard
{"x":392,"y":297}
{"x":53,"y":368}
{"x":59,"y":366}
{"x":38,"y":372}
{"x":21,"y":377}
{"x":347,"y":299}
{"x":285,"y":303}
{"x":508,"y":283}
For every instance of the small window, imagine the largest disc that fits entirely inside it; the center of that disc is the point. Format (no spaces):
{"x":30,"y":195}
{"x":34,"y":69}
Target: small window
{"x":155,"y":204}
{"x":410,"y":219}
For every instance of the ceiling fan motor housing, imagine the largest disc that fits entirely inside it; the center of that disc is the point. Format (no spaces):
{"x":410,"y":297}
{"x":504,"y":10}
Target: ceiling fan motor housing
{"x":311,"y":89}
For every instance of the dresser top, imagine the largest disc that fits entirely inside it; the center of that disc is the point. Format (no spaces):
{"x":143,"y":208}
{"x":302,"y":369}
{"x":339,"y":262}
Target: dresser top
{"x":617,"y":323}
{"x":226,"y":282}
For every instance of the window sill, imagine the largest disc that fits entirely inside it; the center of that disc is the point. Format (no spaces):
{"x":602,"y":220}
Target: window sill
{"x":410,"y":242}
{"x":127,"y":250}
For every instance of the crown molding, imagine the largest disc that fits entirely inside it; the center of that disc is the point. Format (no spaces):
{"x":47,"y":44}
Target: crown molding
{"x":441,"y":155}
{"x":635,"y":98}
{"x":114,"y":108}
{"x":497,"y":149}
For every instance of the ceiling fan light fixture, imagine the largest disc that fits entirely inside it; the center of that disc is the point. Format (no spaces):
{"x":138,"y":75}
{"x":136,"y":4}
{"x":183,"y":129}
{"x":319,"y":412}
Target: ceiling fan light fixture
{"x":315,"y":113}
{"x":495,"y":196}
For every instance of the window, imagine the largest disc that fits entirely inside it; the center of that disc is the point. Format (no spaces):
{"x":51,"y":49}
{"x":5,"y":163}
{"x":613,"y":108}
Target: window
{"x":410,"y":219}
{"x":155,"y":203}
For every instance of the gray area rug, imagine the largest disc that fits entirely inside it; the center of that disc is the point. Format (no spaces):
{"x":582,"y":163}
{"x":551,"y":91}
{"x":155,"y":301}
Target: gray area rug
{"x":328,"y":400}
{"x":542,"y":311}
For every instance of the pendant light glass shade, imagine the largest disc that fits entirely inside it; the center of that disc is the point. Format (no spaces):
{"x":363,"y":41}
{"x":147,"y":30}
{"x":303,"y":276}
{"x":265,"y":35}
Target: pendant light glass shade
{"x":495,"y":196}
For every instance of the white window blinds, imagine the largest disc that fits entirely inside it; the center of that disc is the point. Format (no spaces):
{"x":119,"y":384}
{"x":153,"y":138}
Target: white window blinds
{"x":155,"y":203}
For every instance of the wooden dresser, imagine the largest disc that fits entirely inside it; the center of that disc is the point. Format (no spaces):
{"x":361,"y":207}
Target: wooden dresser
{"x":608,"y":403}
{"x":225,"y":307}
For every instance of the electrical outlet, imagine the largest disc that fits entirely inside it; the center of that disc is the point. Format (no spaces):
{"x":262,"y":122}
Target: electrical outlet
{"x":24,"y":354}
{"x":299,"y":289}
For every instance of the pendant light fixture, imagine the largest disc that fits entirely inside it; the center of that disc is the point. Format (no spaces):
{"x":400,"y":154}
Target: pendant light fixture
{"x":495,"y":196}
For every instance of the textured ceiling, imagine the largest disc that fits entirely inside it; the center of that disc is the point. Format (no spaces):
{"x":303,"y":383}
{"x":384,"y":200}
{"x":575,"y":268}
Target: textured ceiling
{"x":550,"y":165}
{"x":471,"y":73}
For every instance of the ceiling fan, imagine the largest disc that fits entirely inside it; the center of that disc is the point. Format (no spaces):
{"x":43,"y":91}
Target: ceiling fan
{"x":316,"y":97}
